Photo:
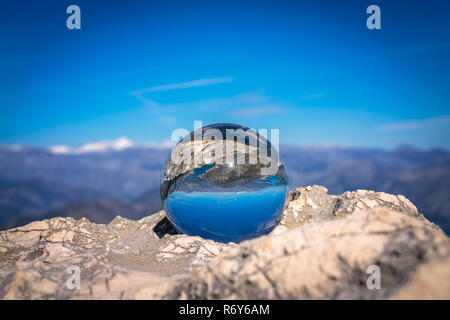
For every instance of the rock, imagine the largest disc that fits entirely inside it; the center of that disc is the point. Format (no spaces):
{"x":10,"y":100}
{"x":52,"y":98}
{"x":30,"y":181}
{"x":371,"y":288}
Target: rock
{"x":430,"y":281}
{"x":124,"y":259}
{"x":329,"y":261}
{"x":313,"y":204}
{"x":306,"y":205}
{"x":321,"y":249}
{"x":349,"y":202}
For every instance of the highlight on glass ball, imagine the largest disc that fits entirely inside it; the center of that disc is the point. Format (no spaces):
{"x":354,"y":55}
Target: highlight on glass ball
{"x":224,"y":182}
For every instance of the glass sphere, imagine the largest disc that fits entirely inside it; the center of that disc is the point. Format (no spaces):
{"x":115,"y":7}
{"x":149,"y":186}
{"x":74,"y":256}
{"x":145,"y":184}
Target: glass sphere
{"x":224,"y":182}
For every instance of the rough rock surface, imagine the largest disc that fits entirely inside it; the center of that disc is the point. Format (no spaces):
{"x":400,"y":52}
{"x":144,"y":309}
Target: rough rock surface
{"x":124,"y":259}
{"x":313,"y":204}
{"x":322,"y":249}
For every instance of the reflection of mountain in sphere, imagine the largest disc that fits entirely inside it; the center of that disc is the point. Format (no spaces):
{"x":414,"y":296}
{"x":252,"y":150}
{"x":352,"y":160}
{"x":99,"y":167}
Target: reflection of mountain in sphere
{"x":224,"y":182}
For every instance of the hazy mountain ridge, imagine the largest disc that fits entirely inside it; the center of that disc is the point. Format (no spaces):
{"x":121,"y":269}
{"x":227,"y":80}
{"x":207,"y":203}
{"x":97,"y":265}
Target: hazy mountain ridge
{"x":31,"y":198}
{"x":126,"y":182}
{"x":122,"y":174}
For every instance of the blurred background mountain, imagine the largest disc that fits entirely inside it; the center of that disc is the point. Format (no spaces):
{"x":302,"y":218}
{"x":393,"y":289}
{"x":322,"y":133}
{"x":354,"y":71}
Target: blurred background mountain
{"x":38,"y":183}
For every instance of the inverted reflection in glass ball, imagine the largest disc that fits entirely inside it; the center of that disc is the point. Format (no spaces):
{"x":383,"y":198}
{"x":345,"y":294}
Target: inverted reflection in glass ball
{"x":224,"y":182}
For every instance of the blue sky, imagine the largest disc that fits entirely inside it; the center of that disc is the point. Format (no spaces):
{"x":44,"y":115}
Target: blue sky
{"x":144,"y":68}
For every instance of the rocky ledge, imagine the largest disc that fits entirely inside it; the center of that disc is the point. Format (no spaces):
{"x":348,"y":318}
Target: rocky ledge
{"x":358,"y":245}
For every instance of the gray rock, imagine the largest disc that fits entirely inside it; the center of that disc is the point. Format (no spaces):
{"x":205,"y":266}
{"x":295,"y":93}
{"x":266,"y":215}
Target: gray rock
{"x":330,"y":261}
{"x":321,"y":249}
{"x":313,"y":204}
{"x":116,"y":260}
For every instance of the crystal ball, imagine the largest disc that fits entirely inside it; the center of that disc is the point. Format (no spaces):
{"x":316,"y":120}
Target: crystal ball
{"x":224,"y":182}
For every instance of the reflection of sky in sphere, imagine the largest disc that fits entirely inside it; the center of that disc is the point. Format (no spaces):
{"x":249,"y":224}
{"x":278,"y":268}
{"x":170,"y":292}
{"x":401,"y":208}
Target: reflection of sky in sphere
{"x":236,"y":192}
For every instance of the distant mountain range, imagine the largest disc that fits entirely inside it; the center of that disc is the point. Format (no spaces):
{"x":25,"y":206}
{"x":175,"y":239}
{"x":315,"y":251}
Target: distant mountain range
{"x":102,"y":180}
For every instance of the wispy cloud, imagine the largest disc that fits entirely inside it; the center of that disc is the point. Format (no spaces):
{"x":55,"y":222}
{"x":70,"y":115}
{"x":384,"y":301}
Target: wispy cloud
{"x":184,"y":85}
{"x":219,"y":104}
{"x":147,"y":102}
{"x":417,"y":124}
{"x":167,"y":120}
{"x":247,"y":104}
{"x":257,"y":111}
{"x":312,"y":96}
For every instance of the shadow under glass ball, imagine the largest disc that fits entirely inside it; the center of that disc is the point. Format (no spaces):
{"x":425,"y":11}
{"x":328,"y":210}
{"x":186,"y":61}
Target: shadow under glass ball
{"x":224,"y":182}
